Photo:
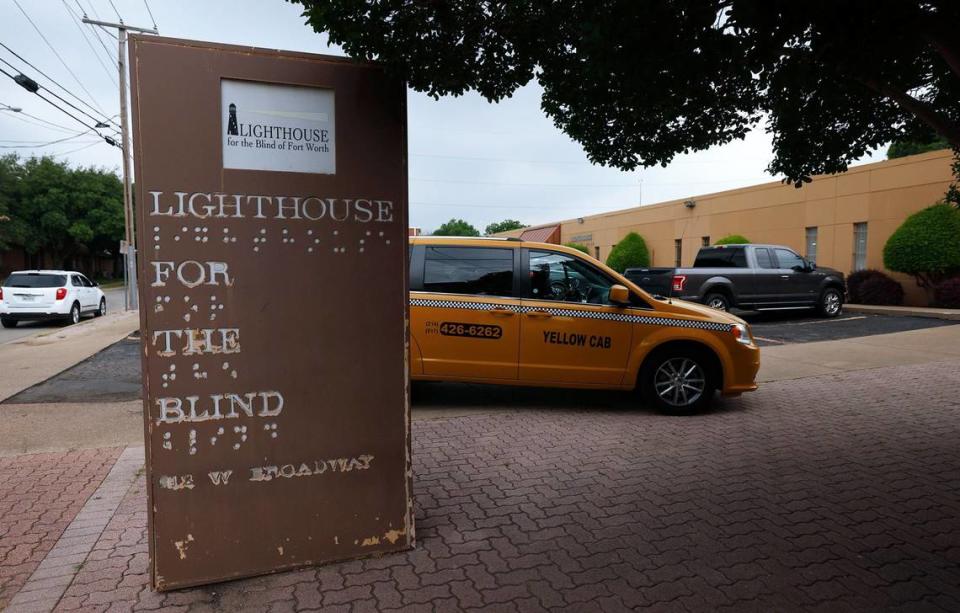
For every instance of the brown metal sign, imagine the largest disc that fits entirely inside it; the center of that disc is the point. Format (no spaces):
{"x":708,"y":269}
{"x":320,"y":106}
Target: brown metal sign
{"x":271,"y":198}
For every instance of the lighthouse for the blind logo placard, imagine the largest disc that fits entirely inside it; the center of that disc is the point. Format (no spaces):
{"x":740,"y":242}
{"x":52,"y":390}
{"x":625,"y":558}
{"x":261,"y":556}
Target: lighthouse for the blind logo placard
{"x":232,"y":121}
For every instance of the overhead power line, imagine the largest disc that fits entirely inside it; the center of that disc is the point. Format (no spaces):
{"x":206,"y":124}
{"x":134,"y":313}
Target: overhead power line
{"x":86,"y":38}
{"x":35,"y":91}
{"x":47,"y":144}
{"x":57,"y":54}
{"x":37,"y":121}
{"x":102,"y":115}
{"x":149,"y":12}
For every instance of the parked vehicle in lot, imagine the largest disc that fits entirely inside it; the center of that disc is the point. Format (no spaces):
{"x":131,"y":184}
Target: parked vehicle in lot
{"x":755,"y":277}
{"x":49,"y":294}
{"x":520,"y":313}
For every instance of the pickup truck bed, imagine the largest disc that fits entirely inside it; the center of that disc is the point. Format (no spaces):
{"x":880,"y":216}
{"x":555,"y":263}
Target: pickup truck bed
{"x":752,"y":277}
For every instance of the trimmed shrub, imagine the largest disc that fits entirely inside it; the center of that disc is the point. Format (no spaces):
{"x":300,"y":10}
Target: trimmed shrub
{"x":856,"y":279}
{"x":881,"y":290}
{"x":629,"y":253}
{"x":926,"y":245}
{"x":578,"y":247}
{"x":947,"y":293}
{"x":733,"y":239}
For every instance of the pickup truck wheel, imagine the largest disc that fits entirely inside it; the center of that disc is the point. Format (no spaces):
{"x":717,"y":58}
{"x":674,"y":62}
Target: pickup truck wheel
{"x":717,"y":301}
{"x":678,"y":382}
{"x":831,"y":302}
{"x":8,"y":323}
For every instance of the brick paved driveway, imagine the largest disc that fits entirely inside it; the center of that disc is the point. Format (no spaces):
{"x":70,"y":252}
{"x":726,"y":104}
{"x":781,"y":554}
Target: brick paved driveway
{"x":829,"y":493}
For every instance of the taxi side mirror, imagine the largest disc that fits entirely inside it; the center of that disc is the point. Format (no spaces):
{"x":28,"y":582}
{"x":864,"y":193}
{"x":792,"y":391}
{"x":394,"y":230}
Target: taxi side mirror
{"x":619,"y":295}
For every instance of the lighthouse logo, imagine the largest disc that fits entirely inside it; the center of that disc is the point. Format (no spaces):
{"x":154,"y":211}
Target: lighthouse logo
{"x":284,"y":128}
{"x":232,"y":121}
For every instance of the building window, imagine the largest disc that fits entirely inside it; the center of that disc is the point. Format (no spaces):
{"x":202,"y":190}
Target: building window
{"x":705,"y":241}
{"x":811,"y":252}
{"x":596,"y":251}
{"x":859,"y":246}
{"x":677,"y":250}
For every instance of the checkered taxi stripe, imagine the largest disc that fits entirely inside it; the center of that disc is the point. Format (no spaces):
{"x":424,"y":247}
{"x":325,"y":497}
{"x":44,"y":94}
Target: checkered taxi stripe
{"x":561,"y":312}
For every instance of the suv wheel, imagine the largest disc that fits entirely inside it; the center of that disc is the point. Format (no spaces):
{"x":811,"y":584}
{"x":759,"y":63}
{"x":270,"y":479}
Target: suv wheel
{"x":831,"y":302}
{"x":74,"y":314}
{"x":679,"y":382}
{"x":102,"y":310}
{"x":717,"y":301}
{"x":6,"y":322}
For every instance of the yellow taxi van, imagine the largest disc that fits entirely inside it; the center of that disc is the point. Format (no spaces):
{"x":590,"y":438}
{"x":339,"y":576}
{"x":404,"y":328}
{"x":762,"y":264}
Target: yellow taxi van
{"x":505,"y":311}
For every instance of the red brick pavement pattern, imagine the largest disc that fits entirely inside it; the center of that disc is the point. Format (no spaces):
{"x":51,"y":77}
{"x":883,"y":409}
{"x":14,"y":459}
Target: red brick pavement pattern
{"x":830,"y":493}
{"x":39,"y":496}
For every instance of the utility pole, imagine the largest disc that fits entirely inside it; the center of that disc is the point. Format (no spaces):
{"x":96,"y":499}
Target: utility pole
{"x":130,"y":257}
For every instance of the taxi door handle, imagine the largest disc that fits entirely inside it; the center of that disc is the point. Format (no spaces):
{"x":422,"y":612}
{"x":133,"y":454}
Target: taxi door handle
{"x":501,"y":312}
{"x":540,"y":314}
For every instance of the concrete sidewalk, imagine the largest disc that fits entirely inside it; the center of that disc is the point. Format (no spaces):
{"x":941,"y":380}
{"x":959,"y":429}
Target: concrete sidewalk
{"x":801,"y":360}
{"x":30,"y":360}
{"x":904,"y":311}
{"x":831,"y":493}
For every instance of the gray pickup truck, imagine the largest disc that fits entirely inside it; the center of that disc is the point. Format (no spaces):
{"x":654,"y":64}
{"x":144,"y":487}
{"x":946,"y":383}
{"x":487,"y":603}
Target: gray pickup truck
{"x":754,"y":277}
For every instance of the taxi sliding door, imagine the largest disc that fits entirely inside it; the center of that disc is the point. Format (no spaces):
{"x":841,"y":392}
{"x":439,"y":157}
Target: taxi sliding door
{"x":568,"y":331}
{"x":464,"y":311}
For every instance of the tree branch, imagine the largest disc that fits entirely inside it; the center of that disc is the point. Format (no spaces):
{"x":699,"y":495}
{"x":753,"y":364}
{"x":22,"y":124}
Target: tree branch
{"x":921,"y":110}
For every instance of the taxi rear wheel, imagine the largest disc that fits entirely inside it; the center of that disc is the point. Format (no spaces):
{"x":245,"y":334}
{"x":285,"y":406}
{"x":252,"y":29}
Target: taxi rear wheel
{"x":679,"y":381}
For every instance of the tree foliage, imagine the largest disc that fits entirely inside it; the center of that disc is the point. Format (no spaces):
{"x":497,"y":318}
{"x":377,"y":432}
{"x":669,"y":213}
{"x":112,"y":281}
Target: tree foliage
{"x":733,"y":239}
{"x":59,"y":210}
{"x":926,"y":245}
{"x":637,"y":83}
{"x":630,"y":252}
{"x":903,"y":148}
{"x":503,"y":226}
{"x":456,"y":227}
{"x":578,"y":247}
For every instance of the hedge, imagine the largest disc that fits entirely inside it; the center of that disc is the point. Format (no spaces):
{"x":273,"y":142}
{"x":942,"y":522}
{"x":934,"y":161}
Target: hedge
{"x":733,"y":239}
{"x":926,"y":245}
{"x":631,"y":252}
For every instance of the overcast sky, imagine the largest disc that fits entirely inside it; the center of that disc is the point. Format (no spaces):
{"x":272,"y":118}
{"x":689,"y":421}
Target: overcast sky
{"x":468,"y":158}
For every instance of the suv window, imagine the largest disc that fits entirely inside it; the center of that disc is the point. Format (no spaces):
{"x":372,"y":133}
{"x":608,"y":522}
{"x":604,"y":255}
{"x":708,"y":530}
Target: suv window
{"x":721,"y":257}
{"x":37,"y":281}
{"x":75,"y":281}
{"x":468,"y":270}
{"x":557,"y":276}
{"x":788,"y":259}
{"x":86,"y":282}
{"x":764,"y":259}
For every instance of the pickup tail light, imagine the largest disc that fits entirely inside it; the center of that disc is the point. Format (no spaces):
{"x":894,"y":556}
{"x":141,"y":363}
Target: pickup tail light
{"x":61,"y":293}
{"x":678,"y":282}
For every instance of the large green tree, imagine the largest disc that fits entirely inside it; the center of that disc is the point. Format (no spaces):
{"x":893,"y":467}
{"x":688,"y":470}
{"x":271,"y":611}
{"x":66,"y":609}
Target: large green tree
{"x":503,"y":226}
{"x":637,"y":83}
{"x":59,"y":210}
{"x":456,"y":227}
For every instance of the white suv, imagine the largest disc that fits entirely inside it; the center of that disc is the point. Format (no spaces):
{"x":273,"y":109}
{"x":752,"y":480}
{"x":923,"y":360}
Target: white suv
{"x":49,"y":294}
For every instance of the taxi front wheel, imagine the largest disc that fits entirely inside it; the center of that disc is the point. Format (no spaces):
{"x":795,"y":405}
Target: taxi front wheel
{"x":678,"y":381}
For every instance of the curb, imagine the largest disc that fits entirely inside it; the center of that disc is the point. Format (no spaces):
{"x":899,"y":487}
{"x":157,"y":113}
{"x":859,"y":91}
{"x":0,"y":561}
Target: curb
{"x":901,"y":311}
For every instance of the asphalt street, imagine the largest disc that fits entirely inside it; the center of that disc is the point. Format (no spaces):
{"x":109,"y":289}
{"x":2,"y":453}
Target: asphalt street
{"x":113,"y":375}
{"x":26,"y":328}
{"x":787,"y":327}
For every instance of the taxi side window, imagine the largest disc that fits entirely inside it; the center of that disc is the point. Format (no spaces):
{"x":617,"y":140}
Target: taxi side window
{"x":479,"y":271}
{"x":557,"y":276}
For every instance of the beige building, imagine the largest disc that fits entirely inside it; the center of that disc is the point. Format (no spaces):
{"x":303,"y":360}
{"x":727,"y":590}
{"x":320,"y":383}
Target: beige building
{"x":841,"y":221}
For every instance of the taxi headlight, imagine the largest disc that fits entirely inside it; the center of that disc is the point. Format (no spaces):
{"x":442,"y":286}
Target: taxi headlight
{"x":742,"y":333}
